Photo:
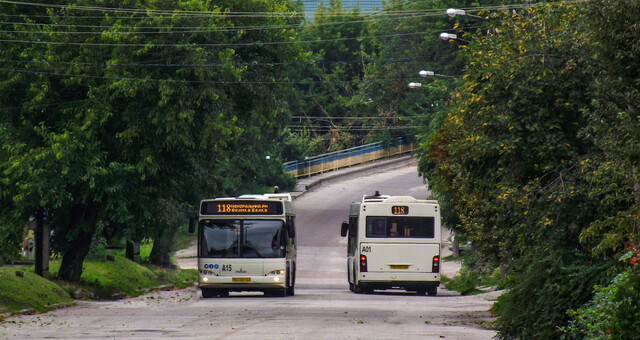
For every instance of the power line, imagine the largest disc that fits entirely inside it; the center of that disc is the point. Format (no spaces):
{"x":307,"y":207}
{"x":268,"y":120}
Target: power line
{"x":398,"y":127}
{"x":150,"y":64}
{"x":353,"y":118}
{"x":179,"y":81}
{"x":183,"y":29}
{"x":252,"y":44}
{"x":223,"y":13}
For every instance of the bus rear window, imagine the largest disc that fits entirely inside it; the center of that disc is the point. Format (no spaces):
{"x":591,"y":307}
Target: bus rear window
{"x":400,"y":227}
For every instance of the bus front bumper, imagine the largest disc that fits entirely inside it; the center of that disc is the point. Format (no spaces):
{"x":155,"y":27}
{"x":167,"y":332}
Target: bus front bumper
{"x":243,"y":283}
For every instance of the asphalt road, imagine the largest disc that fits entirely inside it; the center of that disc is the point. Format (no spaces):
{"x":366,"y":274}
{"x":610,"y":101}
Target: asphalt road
{"x":323,"y":307}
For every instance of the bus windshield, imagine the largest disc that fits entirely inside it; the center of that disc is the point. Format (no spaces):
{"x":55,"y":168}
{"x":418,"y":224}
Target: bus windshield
{"x":242,"y":238}
{"x":400,"y":227}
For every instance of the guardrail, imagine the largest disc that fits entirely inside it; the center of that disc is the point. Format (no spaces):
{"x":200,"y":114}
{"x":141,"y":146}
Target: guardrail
{"x":346,"y":158}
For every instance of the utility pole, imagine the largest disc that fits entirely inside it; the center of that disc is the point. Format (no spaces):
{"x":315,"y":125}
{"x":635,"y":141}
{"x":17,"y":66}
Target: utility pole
{"x":42,"y":245}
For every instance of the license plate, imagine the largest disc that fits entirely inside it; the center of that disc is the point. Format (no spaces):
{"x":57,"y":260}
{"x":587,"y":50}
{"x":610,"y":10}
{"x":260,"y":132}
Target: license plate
{"x":399,"y":266}
{"x":241,"y":279}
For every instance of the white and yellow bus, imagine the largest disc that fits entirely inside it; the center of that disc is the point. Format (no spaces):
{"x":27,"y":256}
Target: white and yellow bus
{"x":247,"y":244}
{"x":393,"y":242}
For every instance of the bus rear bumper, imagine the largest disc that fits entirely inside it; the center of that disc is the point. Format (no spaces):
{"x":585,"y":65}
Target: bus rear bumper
{"x":407,"y":281}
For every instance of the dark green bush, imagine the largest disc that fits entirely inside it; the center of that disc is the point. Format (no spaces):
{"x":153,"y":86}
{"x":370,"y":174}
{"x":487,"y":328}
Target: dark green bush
{"x":535,"y":305}
{"x":613,"y":313}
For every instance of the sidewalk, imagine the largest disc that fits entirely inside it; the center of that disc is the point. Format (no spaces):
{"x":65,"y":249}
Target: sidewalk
{"x":308,"y":183}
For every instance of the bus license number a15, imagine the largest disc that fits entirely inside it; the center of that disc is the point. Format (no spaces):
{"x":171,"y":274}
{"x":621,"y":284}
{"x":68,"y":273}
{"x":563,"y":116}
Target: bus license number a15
{"x":226,"y":267}
{"x":366,"y":249}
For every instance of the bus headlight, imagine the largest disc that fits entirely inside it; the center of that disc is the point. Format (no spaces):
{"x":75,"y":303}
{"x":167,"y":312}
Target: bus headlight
{"x":205,"y":279}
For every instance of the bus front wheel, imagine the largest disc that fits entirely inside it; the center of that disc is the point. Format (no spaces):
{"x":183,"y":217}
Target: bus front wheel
{"x":210,"y":292}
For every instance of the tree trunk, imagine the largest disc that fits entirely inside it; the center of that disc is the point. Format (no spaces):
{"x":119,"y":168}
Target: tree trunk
{"x":79,"y":233}
{"x":455,"y":247}
{"x":163,"y":246}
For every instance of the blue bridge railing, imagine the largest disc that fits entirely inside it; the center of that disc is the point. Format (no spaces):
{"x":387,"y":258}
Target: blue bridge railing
{"x":347,"y":157}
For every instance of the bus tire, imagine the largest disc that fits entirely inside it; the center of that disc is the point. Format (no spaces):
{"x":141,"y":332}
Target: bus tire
{"x":276,"y":292}
{"x":291,"y":290}
{"x":421,"y":291}
{"x":358,"y":289}
{"x":208,"y":293}
{"x":433,"y":291}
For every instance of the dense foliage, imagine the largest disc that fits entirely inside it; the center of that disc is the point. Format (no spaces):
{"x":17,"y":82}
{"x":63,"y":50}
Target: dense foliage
{"x":131,"y":113}
{"x":537,"y":157}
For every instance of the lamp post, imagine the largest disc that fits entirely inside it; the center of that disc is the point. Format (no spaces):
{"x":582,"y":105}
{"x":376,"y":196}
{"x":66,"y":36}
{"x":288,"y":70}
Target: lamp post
{"x":450,"y":36}
{"x":424,"y":73}
{"x":452,"y":12}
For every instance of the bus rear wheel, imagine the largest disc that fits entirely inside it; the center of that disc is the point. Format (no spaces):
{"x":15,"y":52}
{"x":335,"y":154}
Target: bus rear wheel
{"x":291,"y":291}
{"x":433,"y":291}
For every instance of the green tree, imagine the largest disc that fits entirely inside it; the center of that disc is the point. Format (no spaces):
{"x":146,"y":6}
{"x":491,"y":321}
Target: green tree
{"x":509,"y":155}
{"x":613,"y":124}
{"x":127,"y":116}
{"x":327,"y":83}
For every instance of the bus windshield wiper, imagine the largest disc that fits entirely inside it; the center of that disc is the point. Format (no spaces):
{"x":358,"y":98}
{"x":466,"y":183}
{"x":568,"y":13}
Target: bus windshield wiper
{"x":249,"y":244}
{"x":230,"y":251}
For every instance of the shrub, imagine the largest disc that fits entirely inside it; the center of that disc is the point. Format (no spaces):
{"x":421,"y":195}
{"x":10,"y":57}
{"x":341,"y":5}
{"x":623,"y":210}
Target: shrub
{"x":613,"y":312}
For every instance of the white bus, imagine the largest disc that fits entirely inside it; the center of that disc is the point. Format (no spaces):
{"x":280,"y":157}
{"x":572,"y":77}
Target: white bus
{"x":247,"y":244}
{"x":393,"y":242}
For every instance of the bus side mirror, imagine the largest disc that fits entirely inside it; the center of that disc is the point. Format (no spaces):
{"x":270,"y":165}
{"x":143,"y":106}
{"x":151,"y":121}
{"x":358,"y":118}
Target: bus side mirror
{"x":192,"y":224}
{"x":345,"y":229}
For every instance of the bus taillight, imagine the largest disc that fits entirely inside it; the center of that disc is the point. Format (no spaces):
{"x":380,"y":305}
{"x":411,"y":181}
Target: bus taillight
{"x":363,"y":263}
{"x":435,"y":267}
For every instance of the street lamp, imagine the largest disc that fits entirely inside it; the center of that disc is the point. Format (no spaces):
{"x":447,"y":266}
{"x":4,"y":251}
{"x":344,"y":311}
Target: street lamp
{"x":424,"y":73}
{"x":451,"y":36}
{"x":448,"y":36}
{"x":452,"y":12}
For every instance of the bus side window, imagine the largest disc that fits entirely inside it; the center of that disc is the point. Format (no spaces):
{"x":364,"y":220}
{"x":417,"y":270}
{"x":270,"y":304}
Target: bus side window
{"x":291,"y":227}
{"x":353,"y":235}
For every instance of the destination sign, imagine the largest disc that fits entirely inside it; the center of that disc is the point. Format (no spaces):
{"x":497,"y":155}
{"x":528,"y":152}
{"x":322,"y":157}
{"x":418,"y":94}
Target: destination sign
{"x":240,"y":207}
{"x":399,"y":210}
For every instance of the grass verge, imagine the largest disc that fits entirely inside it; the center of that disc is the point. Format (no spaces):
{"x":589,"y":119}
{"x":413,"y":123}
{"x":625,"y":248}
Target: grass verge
{"x":101,"y":279}
{"x":472,"y":275}
{"x":23,"y":291}
{"x":104,"y":279}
